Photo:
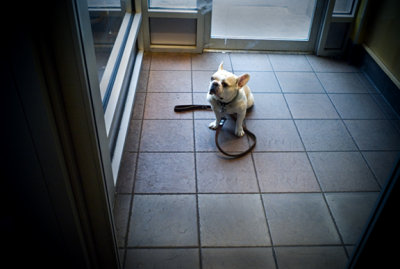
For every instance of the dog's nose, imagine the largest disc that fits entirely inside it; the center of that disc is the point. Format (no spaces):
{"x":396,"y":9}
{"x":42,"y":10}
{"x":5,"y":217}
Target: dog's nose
{"x":214,"y":87}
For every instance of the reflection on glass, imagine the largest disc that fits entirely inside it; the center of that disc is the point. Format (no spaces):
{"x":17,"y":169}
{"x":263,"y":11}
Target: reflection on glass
{"x":173,"y":4}
{"x":262,"y":19}
{"x":105,"y":18}
{"x":173,"y":31}
{"x":343,"y":6}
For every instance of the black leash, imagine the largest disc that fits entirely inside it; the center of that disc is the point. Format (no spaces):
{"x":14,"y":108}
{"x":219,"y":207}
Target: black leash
{"x":184,"y":108}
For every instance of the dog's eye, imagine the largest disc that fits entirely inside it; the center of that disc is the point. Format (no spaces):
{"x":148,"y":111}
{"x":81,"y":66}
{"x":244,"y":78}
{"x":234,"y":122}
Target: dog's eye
{"x":224,"y":84}
{"x":212,"y":78}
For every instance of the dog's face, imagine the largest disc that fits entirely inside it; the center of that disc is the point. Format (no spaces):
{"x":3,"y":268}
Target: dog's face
{"x":224,"y":84}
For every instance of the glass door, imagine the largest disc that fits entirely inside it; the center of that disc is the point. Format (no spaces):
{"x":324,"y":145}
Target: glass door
{"x":110,"y":31}
{"x":283,"y":25}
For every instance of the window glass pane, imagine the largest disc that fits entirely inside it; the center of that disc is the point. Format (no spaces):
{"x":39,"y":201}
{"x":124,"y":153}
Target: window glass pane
{"x":105,"y":18}
{"x":262,"y":19}
{"x":173,"y":4}
{"x":343,"y":6}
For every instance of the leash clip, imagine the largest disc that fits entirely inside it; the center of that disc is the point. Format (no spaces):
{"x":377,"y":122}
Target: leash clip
{"x":222,"y":122}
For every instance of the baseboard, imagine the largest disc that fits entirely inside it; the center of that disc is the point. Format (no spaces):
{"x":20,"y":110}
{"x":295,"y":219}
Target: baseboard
{"x":376,"y":71}
{"x":379,"y":62}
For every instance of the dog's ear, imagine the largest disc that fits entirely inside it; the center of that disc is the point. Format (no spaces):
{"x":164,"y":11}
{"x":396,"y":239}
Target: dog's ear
{"x":221,"y":66}
{"x":242,"y":80}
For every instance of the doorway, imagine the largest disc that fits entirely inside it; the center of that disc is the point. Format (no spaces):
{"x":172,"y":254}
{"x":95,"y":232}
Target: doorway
{"x":307,"y":26}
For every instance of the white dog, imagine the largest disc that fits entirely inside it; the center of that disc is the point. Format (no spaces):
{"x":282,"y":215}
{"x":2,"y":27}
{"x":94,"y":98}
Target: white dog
{"x":229,"y":94}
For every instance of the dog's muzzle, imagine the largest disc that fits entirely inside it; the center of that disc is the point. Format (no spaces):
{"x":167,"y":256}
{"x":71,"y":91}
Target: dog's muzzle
{"x":214,"y":88}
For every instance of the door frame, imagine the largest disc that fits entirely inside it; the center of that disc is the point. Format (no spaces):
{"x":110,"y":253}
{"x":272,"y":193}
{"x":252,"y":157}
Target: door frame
{"x":172,"y":13}
{"x":84,"y":131}
{"x":66,"y":129}
{"x":74,"y":88}
{"x":331,"y":17}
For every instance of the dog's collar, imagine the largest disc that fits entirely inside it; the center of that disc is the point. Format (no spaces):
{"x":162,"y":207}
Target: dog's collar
{"x":224,"y":104}
{"x":227,"y":103}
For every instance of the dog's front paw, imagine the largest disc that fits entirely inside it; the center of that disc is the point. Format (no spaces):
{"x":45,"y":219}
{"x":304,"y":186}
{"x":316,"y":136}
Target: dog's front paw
{"x":239,"y":132}
{"x":213,"y":125}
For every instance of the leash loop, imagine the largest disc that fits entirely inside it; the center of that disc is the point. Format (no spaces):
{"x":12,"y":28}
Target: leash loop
{"x":252,"y":136}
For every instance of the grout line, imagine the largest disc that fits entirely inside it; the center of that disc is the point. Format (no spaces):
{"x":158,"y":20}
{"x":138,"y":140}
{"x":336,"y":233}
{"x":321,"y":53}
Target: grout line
{"x":325,"y":200}
{"x":168,"y":70}
{"x":230,"y":193}
{"x":312,"y":167}
{"x":270,"y":119}
{"x":163,"y":247}
{"x":352,"y":138}
{"x":195,"y":172}
{"x":258,"y":182}
{"x":312,"y":67}
{"x":288,"y":151}
{"x":173,"y":70}
{"x":243,"y":246}
{"x":169,"y":92}
{"x":262,"y":151}
{"x":309,"y":160}
{"x":252,"y":156}
{"x":358,"y":150}
{"x":270,"y":71}
{"x":136,"y":169}
{"x":291,"y":114}
{"x":325,"y":93}
{"x":264,"y":212}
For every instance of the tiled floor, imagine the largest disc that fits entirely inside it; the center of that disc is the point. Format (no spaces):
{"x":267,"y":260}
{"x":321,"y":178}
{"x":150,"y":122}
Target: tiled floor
{"x":326,"y":143}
